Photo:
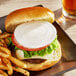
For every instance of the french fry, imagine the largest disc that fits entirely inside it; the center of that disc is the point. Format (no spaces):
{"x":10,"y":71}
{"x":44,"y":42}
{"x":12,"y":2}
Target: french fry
{"x":10,"y":69}
{"x":4,"y":35}
{"x":17,"y":62}
{"x":4,"y":55}
{"x":6,"y":40}
{"x":21,"y":71}
{"x":6,"y":59}
{"x":3,"y":67}
{"x":6,"y":50}
{"x":0,"y":61}
{"x":9,"y":66}
{"x":3,"y":73}
{"x":3,"y":42}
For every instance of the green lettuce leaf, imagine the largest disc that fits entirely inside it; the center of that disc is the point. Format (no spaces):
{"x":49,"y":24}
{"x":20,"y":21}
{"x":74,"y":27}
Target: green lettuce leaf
{"x":47,"y":50}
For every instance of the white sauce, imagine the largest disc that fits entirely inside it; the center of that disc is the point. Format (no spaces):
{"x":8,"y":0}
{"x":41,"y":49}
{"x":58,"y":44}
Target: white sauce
{"x":19,"y":54}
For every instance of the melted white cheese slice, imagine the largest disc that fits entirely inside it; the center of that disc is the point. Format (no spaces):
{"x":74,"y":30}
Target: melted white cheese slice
{"x":35,"y":34}
{"x":52,"y":56}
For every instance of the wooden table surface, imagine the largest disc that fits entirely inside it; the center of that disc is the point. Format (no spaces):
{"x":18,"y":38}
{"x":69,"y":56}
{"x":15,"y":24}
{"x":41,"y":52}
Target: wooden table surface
{"x":6,"y":6}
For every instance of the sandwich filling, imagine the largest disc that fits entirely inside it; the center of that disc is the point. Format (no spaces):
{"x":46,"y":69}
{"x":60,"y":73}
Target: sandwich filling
{"x":35,"y":54}
{"x":33,"y":36}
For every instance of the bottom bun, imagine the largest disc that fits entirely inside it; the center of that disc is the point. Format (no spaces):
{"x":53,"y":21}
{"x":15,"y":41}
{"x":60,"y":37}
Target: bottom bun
{"x":46,"y":64}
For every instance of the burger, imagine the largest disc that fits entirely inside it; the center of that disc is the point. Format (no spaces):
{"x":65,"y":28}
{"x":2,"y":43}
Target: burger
{"x":34,"y":37}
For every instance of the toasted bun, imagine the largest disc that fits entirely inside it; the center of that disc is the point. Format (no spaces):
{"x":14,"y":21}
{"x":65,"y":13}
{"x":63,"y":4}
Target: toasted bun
{"x":27,"y":14}
{"x":48,"y":63}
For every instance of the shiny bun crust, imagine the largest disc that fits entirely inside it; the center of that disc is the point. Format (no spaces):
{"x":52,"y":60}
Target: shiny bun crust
{"x":47,"y":63}
{"x":27,"y":14}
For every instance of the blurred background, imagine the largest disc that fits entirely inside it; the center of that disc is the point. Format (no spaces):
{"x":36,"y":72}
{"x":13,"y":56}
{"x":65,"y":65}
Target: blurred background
{"x":7,"y":6}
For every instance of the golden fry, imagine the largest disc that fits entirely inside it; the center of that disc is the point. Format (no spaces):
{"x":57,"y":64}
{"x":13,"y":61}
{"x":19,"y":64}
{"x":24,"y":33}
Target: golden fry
{"x":10,"y":69}
{"x":0,"y":61}
{"x":3,"y":73}
{"x":3,"y":67}
{"x":4,"y":35}
{"x":6,"y":50}
{"x":6,"y":40}
{"x":6,"y":58}
{"x":9,"y":66}
{"x":4,"y":55}
{"x":18,"y":62}
{"x":21,"y":71}
{"x":3,"y":42}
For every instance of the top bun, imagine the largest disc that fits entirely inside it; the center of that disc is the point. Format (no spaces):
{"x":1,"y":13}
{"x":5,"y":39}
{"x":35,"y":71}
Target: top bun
{"x":27,"y":14}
